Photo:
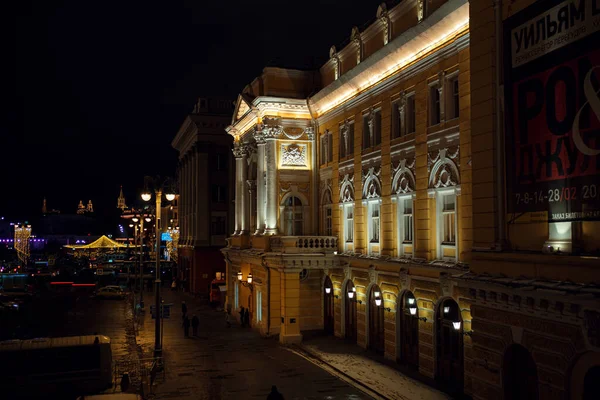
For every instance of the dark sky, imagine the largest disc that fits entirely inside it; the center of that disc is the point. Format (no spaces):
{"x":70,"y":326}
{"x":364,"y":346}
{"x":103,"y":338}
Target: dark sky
{"x":92,"y":93}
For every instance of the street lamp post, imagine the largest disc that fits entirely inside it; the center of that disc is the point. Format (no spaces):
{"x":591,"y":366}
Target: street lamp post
{"x":146,"y":196}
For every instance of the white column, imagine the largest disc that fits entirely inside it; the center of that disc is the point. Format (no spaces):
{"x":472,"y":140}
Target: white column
{"x":241,"y":171}
{"x":271,"y":133}
{"x":236,"y":213}
{"x":314,"y":229}
{"x":244,"y":209}
{"x":260,"y":183}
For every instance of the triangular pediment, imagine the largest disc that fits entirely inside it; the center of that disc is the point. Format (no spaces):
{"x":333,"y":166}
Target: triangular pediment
{"x":242,"y":107}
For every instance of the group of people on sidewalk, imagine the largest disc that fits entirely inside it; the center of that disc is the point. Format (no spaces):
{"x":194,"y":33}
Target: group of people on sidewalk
{"x":194,"y":322}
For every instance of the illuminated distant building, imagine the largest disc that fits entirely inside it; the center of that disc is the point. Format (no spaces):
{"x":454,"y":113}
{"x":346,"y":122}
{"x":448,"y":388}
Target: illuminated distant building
{"x":21,"y":242}
{"x":80,"y":208}
{"x":204,"y":208}
{"x":121,"y":200}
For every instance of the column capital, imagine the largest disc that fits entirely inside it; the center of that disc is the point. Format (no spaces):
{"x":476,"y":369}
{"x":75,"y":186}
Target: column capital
{"x":240,"y":151}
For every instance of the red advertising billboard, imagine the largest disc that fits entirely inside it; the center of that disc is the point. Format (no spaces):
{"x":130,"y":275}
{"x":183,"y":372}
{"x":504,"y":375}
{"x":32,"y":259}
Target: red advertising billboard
{"x":552,"y":110}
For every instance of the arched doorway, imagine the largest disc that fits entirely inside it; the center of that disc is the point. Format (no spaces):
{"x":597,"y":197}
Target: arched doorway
{"x":591,"y":384}
{"x":408,"y":330}
{"x":293,"y":216}
{"x":350,"y":312}
{"x":449,"y":346}
{"x":328,"y":315}
{"x":519,"y":374}
{"x":376,"y":321}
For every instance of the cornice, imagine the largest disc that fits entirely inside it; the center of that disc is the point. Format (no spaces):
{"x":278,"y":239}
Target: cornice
{"x":447,"y":25}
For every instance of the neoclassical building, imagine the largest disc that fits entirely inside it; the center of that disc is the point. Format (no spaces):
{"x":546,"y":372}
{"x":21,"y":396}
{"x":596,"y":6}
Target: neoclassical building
{"x":372,"y":207}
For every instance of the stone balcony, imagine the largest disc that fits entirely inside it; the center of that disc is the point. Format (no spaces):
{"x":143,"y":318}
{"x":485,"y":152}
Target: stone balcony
{"x":286,"y":244}
{"x":303,"y":244}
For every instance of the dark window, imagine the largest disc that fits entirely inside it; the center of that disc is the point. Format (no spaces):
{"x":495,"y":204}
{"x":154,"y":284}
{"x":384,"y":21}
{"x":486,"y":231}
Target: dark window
{"x":219,"y":194}
{"x":410,"y":114}
{"x":221,"y":162}
{"x":434,"y":109}
{"x":396,"y":123}
{"x":217,"y":225}
{"x":455,"y":97}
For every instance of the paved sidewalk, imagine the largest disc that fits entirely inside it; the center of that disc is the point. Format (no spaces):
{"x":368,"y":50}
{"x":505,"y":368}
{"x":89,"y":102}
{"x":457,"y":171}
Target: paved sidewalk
{"x":232,"y":363}
{"x":367,"y":370}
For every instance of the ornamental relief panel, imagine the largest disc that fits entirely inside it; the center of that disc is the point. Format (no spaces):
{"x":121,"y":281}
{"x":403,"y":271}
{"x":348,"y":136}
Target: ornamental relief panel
{"x":443,"y":167}
{"x":293,"y":155}
{"x":371,"y":183}
{"x":293,"y":133}
{"x":346,"y":188}
{"x":325,"y":192}
{"x":403,"y":176}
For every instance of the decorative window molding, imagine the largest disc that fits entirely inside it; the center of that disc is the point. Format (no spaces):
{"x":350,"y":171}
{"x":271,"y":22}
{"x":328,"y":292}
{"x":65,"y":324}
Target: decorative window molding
{"x":346,"y":139}
{"x":347,"y":188}
{"x":293,"y":154}
{"x":326,"y":147}
{"x":444,"y":168}
{"x":403,"y":178}
{"x":371,"y":183}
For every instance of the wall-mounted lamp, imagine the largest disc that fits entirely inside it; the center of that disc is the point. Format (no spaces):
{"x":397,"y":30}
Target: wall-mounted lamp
{"x":377,"y":294}
{"x":411,"y":300}
{"x":378,"y":301}
{"x":413,"y":310}
{"x":327,"y":290}
{"x":446,"y":310}
{"x":351,"y":295}
{"x":456,"y":325}
{"x":248,"y":282}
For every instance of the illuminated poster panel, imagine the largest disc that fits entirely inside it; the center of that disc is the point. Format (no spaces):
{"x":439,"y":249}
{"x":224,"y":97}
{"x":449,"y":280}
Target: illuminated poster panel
{"x":552,"y":111}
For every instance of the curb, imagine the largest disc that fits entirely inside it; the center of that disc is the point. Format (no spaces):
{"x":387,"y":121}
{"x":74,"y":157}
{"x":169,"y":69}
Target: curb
{"x":315,"y":359}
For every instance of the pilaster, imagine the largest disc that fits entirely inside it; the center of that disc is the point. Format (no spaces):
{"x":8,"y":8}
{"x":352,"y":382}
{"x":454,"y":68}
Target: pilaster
{"x":290,"y":306}
{"x":260,"y":182}
{"x":271,"y":133}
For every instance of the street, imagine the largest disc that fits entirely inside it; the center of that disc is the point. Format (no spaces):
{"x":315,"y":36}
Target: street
{"x":232,"y":363}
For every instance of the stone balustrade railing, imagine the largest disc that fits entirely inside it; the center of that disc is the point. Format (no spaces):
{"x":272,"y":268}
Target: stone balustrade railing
{"x":304,"y":244}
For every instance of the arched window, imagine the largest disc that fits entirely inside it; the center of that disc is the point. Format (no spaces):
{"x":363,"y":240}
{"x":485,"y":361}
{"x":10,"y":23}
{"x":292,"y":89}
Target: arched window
{"x":293,"y":217}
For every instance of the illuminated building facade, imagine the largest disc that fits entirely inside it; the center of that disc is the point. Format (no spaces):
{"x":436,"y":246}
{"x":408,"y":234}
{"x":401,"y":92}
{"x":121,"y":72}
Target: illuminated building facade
{"x":204,"y":209}
{"x":376,"y":206}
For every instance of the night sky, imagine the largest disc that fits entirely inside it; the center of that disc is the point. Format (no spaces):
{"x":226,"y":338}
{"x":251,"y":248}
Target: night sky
{"x":94,"y":92}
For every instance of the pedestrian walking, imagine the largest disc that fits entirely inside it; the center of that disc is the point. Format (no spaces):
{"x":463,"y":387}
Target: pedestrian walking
{"x":195,"y":323}
{"x":183,"y":309}
{"x":274,"y":395}
{"x":247,"y":317}
{"x":186,"y":326}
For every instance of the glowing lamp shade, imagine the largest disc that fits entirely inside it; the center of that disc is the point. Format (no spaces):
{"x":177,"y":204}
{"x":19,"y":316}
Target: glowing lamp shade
{"x":135,"y":219}
{"x":131,"y":225}
{"x":377,"y":301}
{"x":411,"y":300}
{"x":456,"y":325}
{"x":146,"y":196}
{"x":413,"y":310}
{"x":327,"y":290}
{"x":170,"y":196}
{"x":148,"y":219}
{"x":354,"y":289}
{"x":350,"y":295}
{"x":378,"y":294}
{"x":446,"y":310}
{"x":249,"y":278}
{"x":240,"y":276}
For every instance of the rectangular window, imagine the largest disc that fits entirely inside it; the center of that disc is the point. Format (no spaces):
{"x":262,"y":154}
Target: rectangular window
{"x":219,"y":194}
{"x":217,"y":225}
{"x":396,"y":121}
{"x":350,"y":148}
{"x":449,"y":219}
{"x":259,"y":306}
{"x":377,"y":128}
{"x":410,"y":115}
{"x":328,"y":222}
{"x":453,"y":104}
{"x":324,"y":149}
{"x":407,"y":221}
{"x":221,"y":162}
{"x":374,"y":223}
{"x":349,"y":228}
{"x":434,"y":105}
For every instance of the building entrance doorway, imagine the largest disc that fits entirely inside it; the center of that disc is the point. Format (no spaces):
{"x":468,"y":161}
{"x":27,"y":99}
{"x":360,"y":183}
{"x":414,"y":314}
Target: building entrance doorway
{"x":328,"y":315}
{"x":409,"y":330}
{"x":350,"y":312}
{"x":376,"y":321}
{"x":449,"y":347}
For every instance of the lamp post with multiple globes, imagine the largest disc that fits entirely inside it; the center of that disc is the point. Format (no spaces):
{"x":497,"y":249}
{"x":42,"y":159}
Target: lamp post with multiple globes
{"x":159,"y":185}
